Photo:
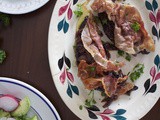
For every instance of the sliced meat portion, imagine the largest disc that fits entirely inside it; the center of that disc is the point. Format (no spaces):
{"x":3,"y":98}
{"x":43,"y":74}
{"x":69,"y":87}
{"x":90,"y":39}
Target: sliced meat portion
{"x":80,"y":52}
{"x":92,"y":43}
{"x":94,"y":76}
{"x":110,"y":85}
{"x":122,"y":89}
{"x":92,"y":83}
{"x":130,"y":34}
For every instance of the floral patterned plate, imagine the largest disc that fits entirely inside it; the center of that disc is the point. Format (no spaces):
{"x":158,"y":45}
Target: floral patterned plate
{"x":64,"y":70}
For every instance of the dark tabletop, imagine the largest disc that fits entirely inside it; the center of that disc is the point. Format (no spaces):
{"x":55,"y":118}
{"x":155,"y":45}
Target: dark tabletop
{"x":26,"y":44}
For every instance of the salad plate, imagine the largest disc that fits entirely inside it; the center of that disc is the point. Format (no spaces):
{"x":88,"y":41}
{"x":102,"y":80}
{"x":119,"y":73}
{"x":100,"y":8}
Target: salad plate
{"x":61,"y":43}
{"x":20,"y":6}
{"x":39,"y":103}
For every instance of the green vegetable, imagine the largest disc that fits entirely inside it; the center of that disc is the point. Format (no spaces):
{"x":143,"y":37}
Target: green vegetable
{"x":2,"y":56}
{"x":90,"y":101}
{"x":80,"y":107}
{"x":120,"y":52}
{"x":128,"y":57}
{"x":5,"y":19}
{"x":79,"y":10}
{"x":136,"y":26}
{"x":138,"y":70}
{"x":124,"y":54}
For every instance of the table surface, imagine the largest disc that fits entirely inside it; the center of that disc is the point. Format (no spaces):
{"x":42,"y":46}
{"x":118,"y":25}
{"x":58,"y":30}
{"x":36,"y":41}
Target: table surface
{"x":26,"y":44}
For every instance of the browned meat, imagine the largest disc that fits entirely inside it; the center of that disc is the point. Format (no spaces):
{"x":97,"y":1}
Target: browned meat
{"x":80,"y":52}
{"x":125,"y":17}
{"x":110,"y":85}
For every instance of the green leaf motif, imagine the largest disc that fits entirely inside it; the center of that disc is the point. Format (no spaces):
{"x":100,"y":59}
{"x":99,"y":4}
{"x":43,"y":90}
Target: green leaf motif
{"x":157,"y":60}
{"x":147,"y":85}
{"x":75,"y":89}
{"x":152,"y":89}
{"x":154,"y":31}
{"x":69,"y":91}
{"x":155,"y":4}
{"x":120,"y":112}
{"x":93,"y":108}
{"x":148,"y":5}
{"x":119,"y":117}
{"x":92,"y":115}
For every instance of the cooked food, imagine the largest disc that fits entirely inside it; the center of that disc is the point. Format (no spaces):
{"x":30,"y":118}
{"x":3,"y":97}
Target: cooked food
{"x":124,"y":27}
{"x":129,"y":32}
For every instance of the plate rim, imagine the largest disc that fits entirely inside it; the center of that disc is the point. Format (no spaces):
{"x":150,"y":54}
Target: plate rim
{"x":33,"y":90}
{"x":21,"y":11}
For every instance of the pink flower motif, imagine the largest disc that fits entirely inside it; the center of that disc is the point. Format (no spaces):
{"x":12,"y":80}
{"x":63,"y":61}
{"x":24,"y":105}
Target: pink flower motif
{"x":158,"y":16}
{"x":153,"y":72}
{"x":63,"y":76}
{"x":105,"y":117}
{"x":63,"y":9}
{"x":152,"y":17}
{"x":157,"y":77}
{"x":70,"y":76}
{"x":69,"y":13}
{"x":107,"y":111}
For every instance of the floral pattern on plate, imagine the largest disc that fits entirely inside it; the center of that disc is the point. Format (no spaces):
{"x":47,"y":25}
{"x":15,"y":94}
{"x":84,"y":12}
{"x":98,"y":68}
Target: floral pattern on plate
{"x":64,"y":65}
{"x":150,"y":85}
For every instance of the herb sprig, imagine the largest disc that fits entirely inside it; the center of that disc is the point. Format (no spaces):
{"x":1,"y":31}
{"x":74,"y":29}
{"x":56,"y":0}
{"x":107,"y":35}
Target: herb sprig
{"x":136,"y":26}
{"x":2,"y":56}
{"x":79,"y":11}
{"x":90,"y":101}
{"x":5,"y":19}
{"x":138,"y":70}
{"x":124,"y":54}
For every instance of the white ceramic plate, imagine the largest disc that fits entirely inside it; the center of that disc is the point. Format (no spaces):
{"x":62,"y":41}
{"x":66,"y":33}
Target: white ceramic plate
{"x":39,"y":103}
{"x":64,"y":70}
{"x":20,"y":6}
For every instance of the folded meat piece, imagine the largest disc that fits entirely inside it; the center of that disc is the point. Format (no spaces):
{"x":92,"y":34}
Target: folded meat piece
{"x":93,"y":44}
{"x":129,"y":32}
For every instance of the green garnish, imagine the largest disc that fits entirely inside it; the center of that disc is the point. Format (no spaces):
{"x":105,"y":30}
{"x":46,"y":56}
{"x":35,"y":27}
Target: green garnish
{"x":136,"y":26}
{"x":120,"y":52}
{"x":2,"y":56}
{"x":5,"y":19}
{"x":124,"y":54}
{"x":90,"y":101}
{"x":128,"y":57}
{"x":138,"y":70}
{"x":80,"y":107}
{"x":79,"y":10}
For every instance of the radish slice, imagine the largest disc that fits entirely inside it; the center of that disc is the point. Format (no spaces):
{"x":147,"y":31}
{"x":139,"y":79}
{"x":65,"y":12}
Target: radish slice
{"x":8,"y":103}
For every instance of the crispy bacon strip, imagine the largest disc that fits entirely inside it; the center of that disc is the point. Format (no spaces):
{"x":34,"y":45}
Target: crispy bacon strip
{"x":88,"y":77}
